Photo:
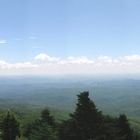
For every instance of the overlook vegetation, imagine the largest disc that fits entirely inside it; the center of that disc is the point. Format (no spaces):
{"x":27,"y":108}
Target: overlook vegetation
{"x":27,"y":97}
{"x":85,"y":123}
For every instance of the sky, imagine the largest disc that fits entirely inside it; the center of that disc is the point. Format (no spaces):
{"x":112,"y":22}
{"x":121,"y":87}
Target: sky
{"x":69,"y":36}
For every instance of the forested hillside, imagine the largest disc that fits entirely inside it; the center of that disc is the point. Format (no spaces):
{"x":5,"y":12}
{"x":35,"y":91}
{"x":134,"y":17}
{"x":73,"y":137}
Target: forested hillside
{"x":112,"y":95}
{"x":85,"y":123}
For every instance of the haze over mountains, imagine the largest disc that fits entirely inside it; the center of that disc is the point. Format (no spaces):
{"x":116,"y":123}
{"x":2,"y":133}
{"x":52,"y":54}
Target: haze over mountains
{"x":112,"y":94}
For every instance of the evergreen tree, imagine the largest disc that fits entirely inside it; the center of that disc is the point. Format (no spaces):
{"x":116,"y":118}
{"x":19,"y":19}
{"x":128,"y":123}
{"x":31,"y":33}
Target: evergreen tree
{"x":85,"y":123}
{"x":43,"y":132}
{"x":9,"y":127}
{"x":124,"y":128}
{"x":46,"y":117}
{"x":109,"y":128}
{"x":43,"y":128}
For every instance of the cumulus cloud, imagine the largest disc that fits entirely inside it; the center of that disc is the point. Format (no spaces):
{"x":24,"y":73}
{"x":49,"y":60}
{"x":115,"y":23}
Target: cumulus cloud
{"x":131,"y":58}
{"x":46,"y":64}
{"x":21,"y":65}
{"x":45,"y":57}
{"x":76,"y":60}
{"x":3,"y":41}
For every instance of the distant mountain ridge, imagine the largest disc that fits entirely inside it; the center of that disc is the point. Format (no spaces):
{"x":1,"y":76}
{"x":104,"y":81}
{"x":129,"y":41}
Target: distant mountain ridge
{"x":120,"y":95}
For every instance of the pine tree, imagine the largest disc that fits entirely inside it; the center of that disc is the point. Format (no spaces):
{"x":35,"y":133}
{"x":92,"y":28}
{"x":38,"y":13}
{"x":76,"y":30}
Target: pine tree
{"x":46,"y":117}
{"x":10,"y":127}
{"x":43,"y":132}
{"x":85,"y":123}
{"x":124,"y":128}
{"x":43,"y":128}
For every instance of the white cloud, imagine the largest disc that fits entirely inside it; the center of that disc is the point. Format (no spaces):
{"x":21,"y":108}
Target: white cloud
{"x":101,"y":64}
{"x":3,"y":41}
{"x":104,"y":60}
{"x":3,"y":64}
{"x":45,"y":64}
{"x":76,"y":60}
{"x":131,"y":58}
{"x":21,"y":65}
{"x":24,"y":65}
{"x":45,"y":57}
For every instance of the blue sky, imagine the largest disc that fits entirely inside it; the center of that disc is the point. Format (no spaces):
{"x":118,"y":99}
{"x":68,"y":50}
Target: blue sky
{"x":63,"y":28}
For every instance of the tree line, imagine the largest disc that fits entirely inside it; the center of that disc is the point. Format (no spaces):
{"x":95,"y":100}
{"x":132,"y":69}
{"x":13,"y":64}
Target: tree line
{"x":85,"y":123}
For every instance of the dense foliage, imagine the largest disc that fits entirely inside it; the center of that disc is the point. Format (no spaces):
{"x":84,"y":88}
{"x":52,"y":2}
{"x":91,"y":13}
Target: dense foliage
{"x":43,"y":128}
{"x":85,"y":123}
{"x":9,"y":127}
